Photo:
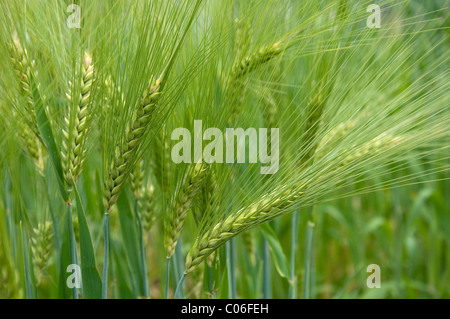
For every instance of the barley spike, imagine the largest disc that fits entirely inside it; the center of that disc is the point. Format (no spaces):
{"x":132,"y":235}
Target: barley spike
{"x":125,"y":151}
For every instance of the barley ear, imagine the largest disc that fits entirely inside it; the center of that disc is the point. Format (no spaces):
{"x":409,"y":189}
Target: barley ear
{"x":181,"y":208}
{"x":137,"y":179}
{"x":147,"y":207}
{"x":244,"y":67}
{"x":254,"y":60}
{"x":75,"y":134}
{"x":269,"y":207}
{"x":41,"y":246}
{"x":27,"y":125}
{"x":126,"y":150}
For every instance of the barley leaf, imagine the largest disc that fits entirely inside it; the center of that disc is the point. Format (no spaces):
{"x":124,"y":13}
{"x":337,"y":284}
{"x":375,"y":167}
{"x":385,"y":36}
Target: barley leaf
{"x":47,"y":136}
{"x":130,"y":241}
{"x":64,"y":257}
{"x":92,"y":284}
{"x":276,"y":251}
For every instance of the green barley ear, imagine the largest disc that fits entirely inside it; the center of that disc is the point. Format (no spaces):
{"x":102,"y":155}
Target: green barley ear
{"x":270,"y":206}
{"x":27,"y":120}
{"x":182,"y":206}
{"x":244,"y":67}
{"x":206,"y":203}
{"x":373,"y":147}
{"x":126,"y":150}
{"x":335,"y":134}
{"x":42,"y":246}
{"x":147,"y":207}
{"x":22,"y":66}
{"x":255,"y":59}
{"x":33,"y":146}
{"x":73,"y":150}
{"x":137,"y":179}
{"x":249,"y":245}
{"x":162,"y":160}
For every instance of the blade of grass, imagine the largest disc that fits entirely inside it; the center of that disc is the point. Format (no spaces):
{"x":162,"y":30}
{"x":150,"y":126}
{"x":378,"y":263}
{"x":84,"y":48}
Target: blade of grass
{"x":131,"y":242}
{"x":92,"y":284}
{"x":29,"y":291}
{"x":274,"y":247}
{"x":47,"y":137}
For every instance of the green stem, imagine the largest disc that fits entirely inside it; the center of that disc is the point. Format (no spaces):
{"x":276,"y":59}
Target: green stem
{"x":143,"y":252}
{"x":179,"y":286}
{"x":211,"y":282}
{"x":177,"y":265}
{"x":294,"y":238}
{"x":72,"y":245}
{"x":230,"y":254}
{"x":166,"y":291}
{"x":267,"y":278}
{"x":308,"y":257}
{"x":105,"y":258}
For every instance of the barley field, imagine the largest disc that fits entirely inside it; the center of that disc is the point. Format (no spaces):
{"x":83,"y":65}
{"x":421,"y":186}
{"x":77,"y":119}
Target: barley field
{"x":224,"y":149}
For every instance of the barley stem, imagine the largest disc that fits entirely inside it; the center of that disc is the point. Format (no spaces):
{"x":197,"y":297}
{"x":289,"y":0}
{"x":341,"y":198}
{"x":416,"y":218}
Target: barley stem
{"x":166,"y":290}
{"x":308,"y":258}
{"x":179,"y":286}
{"x":294,"y":238}
{"x":105,"y":258}
{"x":267,"y":277}
{"x":143,"y":251}
{"x":230,"y":256}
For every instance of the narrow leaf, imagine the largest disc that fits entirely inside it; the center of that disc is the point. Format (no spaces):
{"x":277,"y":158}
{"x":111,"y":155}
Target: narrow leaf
{"x":90,"y":278}
{"x":276,"y":251}
{"x":47,"y":136}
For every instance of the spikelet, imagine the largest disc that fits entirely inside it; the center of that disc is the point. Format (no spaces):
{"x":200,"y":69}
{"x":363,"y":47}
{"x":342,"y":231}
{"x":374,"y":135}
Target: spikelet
{"x":254,"y":60}
{"x":242,"y":37}
{"x":33,"y":147}
{"x":137,"y":179}
{"x":113,"y":95}
{"x":27,"y":121}
{"x":249,"y":244}
{"x":244,"y":67}
{"x":211,"y":259}
{"x":206,"y":202}
{"x":126,"y":150}
{"x":75,"y":133}
{"x":182,"y":206}
{"x":373,"y":147}
{"x":332,"y":136}
{"x":316,"y":105}
{"x":23,"y":70}
{"x":41,"y":246}
{"x":270,"y":206}
{"x":162,"y":160}
{"x":147,"y":207}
